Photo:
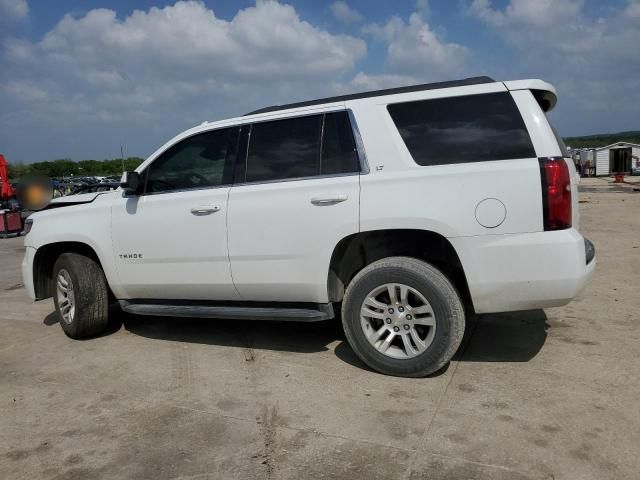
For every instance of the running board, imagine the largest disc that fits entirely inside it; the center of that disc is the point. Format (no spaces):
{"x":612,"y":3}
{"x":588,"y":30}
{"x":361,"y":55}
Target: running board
{"x":316,"y":313}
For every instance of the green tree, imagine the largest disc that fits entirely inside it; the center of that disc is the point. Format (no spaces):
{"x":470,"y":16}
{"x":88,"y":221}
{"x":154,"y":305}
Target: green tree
{"x":65,"y":167}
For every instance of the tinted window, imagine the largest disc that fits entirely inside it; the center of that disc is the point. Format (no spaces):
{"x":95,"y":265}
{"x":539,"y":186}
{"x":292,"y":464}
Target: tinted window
{"x":472,"y":128}
{"x":563,"y":147}
{"x":338,"y":147}
{"x":204,"y":160}
{"x":284,"y":149}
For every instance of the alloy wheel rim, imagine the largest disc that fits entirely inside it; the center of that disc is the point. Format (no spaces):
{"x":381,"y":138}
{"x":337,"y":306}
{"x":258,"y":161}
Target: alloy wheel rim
{"x":66,"y":296}
{"x":397,"y":320}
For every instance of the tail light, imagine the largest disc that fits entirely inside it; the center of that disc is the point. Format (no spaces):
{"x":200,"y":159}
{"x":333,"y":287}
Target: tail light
{"x":556,"y":193}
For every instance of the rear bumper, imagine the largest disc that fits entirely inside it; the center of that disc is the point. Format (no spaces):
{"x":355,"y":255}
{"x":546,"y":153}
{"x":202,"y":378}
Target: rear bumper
{"x":525,"y":271}
{"x":589,"y":251}
{"x":27,"y":271}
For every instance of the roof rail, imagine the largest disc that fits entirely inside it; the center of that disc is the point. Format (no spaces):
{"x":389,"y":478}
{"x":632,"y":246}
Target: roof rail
{"x":378,"y":93}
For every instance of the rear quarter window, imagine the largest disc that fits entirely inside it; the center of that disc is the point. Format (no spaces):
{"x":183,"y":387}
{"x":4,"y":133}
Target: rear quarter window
{"x":338,"y":146}
{"x":563,"y":147}
{"x":465,"y":129}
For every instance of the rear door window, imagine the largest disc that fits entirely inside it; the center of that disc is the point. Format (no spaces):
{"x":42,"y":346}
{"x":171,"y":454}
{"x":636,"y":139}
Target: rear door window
{"x":465,"y":129}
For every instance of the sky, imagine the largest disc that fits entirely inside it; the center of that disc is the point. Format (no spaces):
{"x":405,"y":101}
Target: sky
{"x":81,"y":78}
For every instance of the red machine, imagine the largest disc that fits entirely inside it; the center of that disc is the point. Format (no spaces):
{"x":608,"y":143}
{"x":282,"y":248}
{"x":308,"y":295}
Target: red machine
{"x":10,"y":220}
{"x":6,"y":190}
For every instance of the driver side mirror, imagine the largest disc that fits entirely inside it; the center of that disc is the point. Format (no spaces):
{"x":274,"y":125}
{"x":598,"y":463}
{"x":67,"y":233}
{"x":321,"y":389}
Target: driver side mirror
{"x":130,"y":182}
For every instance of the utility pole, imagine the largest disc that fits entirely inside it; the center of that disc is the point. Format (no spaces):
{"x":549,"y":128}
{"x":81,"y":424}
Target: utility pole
{"x":122,"y":157}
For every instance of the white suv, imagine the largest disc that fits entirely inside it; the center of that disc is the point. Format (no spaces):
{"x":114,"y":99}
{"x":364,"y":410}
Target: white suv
{"x":407,"y":207}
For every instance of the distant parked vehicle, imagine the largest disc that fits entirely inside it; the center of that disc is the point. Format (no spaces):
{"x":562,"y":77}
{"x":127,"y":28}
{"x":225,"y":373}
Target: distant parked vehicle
{"x":96,"y":187}
{"x":111,"y":179}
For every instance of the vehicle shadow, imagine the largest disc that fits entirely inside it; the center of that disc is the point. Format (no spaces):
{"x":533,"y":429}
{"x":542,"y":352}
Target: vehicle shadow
{"x":115,"y":321}
{"x":502,"y":337}
{"x":505,"y":337}
{"x":260,"y":335}
{"x":51,"y":319}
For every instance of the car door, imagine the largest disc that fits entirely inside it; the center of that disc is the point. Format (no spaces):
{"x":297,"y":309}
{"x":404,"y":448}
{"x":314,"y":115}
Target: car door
{"x":170,"y":242}
{"x":296,"y":198}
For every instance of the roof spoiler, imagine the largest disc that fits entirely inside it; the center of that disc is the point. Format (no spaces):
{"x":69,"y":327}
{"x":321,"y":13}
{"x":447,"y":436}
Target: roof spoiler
{"x":544,"y":92}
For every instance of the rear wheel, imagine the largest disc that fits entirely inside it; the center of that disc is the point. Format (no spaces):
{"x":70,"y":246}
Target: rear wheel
{"x":81,"y":296}
{"x":403,"y":317}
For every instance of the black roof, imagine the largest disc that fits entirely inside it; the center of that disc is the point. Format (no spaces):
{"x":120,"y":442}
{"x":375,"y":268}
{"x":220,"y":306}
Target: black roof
{"x":378,"y":93}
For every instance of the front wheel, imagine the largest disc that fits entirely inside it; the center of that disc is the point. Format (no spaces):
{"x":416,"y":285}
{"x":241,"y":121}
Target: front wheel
{"x":403,"y":317}
{"x":81,"y":295}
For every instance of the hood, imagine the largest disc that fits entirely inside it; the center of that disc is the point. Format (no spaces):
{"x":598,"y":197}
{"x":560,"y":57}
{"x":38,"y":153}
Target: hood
{"x":78,"y":199}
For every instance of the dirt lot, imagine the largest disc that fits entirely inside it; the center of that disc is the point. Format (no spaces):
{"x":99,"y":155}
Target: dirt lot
{"x":553,"y":394}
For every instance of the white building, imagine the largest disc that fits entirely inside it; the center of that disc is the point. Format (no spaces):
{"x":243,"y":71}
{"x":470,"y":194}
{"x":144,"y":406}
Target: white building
{"x":584,"y":159}
{"x":621,"y":157}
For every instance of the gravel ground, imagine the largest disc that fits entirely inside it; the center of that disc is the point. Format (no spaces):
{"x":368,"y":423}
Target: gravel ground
{"x":530,"y":395}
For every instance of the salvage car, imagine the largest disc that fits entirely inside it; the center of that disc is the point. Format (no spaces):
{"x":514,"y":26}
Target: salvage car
{"x":402,"y":211}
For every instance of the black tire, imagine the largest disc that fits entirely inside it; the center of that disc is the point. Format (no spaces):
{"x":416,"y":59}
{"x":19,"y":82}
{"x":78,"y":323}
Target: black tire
{"x":439,"y":292}
{"x":91,"y":296}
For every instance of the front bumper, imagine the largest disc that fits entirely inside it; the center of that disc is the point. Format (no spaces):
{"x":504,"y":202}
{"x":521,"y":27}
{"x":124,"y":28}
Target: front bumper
{"x":27,"y":271}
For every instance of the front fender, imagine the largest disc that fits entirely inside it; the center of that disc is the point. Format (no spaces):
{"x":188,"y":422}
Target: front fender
{"x":88,"y":224}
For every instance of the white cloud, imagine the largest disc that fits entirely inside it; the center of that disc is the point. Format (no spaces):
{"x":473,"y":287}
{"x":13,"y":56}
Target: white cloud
{"x":518,"y":13}
{"x":344,"y":13}
{"x":97,"y":80}
{"x":13,"y":9}
{"x":387,"y":31}
{"x":268,"y":39}
{"x":363,"y":82}
{"x":633,"y":9}
{"x":422,"y":6}
{"x":27,"y":91}
{"x":561,"y":33}
{"x":592,"y":61}
{"x":415,"y":48}
{"x":17,"y":50}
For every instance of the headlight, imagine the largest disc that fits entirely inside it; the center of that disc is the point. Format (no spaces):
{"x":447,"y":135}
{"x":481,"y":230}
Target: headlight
{"x":28,"y":223}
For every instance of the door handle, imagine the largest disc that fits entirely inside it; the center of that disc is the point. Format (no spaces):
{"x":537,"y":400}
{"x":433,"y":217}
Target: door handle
{"x":205,"y":210}
{"x":324,"y":201}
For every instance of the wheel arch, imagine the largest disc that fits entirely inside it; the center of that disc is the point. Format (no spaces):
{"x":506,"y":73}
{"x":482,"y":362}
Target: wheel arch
{"x":45,"y":258}
{"x":354,"y":252}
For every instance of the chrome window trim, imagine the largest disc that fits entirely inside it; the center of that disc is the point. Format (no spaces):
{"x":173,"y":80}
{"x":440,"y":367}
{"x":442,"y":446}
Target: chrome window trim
{"x":242,"y":184}
{"x":360,"y":151}
{"x":179,"y":190}
{"x":324,"y":117}
{"x":282,"y":180}
{"x":294,"y":115}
